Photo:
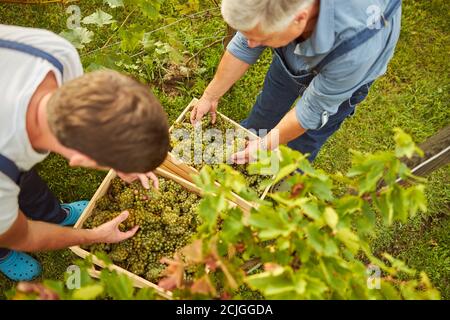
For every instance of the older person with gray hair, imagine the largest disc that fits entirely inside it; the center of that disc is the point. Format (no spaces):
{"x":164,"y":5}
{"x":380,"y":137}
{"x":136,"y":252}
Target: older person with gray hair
{"x":326,"y":55}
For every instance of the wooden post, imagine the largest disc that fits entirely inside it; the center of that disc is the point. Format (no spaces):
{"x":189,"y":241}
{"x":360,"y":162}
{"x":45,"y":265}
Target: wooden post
{"x":436,"y":151}
{"x":437,"y":154}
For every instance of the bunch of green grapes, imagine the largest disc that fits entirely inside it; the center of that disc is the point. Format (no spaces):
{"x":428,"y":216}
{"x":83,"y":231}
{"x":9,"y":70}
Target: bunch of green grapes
{"x":238,"y":144}
{"x":167,"y":220}
{"x":116,"y":187}
{"x":125,"y":199}
{"x":154,"y":271}
{"x":121,"y":251}
{"x":104,"y":203}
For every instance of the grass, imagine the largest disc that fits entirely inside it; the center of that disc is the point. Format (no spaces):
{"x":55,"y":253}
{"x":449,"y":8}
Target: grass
{"x":414,"y":95}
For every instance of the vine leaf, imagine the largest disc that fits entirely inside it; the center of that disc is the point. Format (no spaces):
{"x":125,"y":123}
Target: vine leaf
{"x":99,"y":18}
{"x":150,"y":8}
{"x":405,"y":145}
{"x":331,"y":217}
{"x":88,"y":293}
{"x":193,"y":252}
{"x":114,"y":3}
{"x":203,"y":286}
{"x":78,"y":36}
{"x":119,"y":286}
{"x":174,"y":274}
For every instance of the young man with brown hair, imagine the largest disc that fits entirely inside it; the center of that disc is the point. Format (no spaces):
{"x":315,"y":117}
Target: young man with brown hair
{"x":98,"y":120}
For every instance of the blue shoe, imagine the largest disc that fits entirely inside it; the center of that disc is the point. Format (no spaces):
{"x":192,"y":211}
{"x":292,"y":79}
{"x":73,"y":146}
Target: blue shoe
{"x":19,"y":266}
{"x":74,"y":211}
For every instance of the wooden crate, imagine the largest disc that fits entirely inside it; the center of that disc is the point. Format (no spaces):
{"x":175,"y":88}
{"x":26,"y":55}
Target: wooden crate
{"x":185,"y":171}
{"x":138,"y":282}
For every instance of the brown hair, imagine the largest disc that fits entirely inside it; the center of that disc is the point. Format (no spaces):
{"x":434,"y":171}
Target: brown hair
{"x":111,"y":118}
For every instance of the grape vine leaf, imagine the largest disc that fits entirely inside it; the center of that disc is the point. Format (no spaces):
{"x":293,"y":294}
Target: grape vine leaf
{"x":99,"y":18}
{"x":78,"y":36}
{"x":114,"y":3}
{"x":88,"y":293}
{"x":405,"y":145}
{"x":150,"y":8}
{"x":203,"y":286}
{"x":118,"y":286}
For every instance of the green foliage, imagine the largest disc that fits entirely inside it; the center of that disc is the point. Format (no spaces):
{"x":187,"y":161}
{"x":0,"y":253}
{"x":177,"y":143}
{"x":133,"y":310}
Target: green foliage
{"x":78,"y":36}
{"x":309,"y":240}
{"x":109,"y":284}
{"x":153,"y":55}
{"x":412,"y":95}
{"x":405,"y":145}
{"x":114,"y":3}
{"x":99,"y":18}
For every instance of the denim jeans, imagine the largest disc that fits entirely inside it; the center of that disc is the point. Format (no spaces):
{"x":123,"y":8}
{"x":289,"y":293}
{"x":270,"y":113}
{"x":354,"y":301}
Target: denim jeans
{"x":37,"y":202}
{"x":281,"y":89}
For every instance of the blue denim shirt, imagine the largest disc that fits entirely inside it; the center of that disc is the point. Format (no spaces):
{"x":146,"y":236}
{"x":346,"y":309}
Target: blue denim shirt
{"x":338,"y":20}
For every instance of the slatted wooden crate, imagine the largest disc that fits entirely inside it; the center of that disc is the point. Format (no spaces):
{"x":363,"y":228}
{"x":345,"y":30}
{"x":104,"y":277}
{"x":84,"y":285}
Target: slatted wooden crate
{"x":185,"y":171}
{"x":138,"y":281}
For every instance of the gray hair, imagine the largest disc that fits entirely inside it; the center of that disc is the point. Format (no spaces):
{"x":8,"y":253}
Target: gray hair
{"x":271,"y":15}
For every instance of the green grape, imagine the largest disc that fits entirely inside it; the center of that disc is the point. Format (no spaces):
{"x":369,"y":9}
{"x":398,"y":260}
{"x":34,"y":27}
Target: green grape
{"x":239,"y":143}
{"x":126,"y":199}
{"x":154,"y":271}
{"x":138,"y":268}
{"x":167,"y":220}
{"x":120,"y":251}
{"x":104,"y":203}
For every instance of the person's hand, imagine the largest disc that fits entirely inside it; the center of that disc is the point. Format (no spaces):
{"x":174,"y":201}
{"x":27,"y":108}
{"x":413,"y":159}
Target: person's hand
{"x":143,"y":177}
{"x":109,"y":232}
{"x":247,"y":155}
{"x":202,"y":107}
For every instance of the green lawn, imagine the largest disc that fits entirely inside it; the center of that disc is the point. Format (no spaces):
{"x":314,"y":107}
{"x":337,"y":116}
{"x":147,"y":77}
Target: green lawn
{"x":414,"y":95}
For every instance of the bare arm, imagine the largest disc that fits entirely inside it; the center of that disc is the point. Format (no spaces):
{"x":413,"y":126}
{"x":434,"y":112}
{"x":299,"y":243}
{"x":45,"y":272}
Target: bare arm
{"x":230,"y":70}
{"x":29,"y":236}
{"x":287,"y":130}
